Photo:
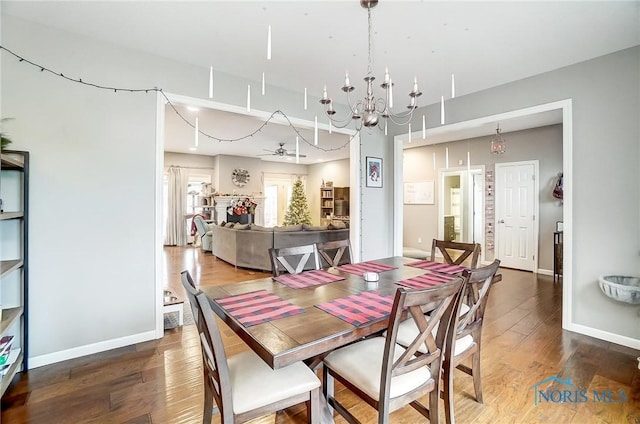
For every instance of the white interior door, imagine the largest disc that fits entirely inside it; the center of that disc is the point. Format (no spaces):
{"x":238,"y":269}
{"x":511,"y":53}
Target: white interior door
{"x":516,"y":214}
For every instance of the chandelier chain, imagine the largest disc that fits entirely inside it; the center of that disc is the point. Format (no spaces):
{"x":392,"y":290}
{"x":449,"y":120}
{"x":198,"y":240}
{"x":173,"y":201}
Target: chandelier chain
{"x":369,"y":67}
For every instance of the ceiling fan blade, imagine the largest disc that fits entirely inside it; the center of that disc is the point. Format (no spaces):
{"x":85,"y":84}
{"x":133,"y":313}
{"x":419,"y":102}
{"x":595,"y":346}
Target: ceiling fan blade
{"x":294,"y":155}
{"x":267,"y":154}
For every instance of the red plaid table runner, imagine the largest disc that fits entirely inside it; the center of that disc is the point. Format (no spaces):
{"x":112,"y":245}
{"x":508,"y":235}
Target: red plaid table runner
{"x":308,"y":279}
{"x":362,"y":267}
{"x":437,"y":266}
{"x":359,"y":309}
{"x":257,"y":307}
{"x":425,"y":281}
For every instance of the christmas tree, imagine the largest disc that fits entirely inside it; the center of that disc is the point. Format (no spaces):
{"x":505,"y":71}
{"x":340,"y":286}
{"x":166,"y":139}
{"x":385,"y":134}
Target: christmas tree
{"x":298,"y":212}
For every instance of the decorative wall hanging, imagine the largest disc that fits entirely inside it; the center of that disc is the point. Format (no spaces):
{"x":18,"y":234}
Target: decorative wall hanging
{"x":374,"y":172}
{"x":240,"y":177}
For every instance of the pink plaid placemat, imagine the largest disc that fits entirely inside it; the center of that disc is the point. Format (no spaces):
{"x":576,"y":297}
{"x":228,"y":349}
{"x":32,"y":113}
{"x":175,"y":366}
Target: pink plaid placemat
{"x":425,"y":281}
{"x":308,"y":279}
{"x":257,"y":307}
{"x":437,"y":266}
{"x":359,"y":309}
{"x":362,"y":267}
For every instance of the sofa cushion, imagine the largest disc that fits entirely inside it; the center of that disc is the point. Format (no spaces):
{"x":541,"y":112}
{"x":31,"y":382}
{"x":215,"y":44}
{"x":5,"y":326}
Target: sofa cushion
{"x":229,"y":225}
{"x":255,"y":227}
{"x":308,"y":227}
{"x":288,"y":228}
{"x":241,"y":226}
{"x":223,"y":223}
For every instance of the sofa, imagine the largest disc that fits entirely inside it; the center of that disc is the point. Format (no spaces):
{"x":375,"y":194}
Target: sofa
{"x":247,"y":246}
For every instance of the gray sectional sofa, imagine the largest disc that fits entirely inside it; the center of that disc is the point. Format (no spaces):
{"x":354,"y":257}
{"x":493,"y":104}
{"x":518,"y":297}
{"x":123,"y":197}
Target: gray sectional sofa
{"x":248,"y":247}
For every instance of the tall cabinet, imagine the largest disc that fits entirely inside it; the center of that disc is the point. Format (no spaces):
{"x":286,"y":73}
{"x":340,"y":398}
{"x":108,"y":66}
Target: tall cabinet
{"x":14,"y":276}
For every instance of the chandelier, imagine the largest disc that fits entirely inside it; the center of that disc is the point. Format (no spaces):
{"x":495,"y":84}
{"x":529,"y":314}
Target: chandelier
{"x":368,"y":110}
{"x":498,"y":145}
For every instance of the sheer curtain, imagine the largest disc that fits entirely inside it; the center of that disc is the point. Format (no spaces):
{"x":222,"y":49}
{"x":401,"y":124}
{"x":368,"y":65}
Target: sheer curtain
{"x":176,"y":231}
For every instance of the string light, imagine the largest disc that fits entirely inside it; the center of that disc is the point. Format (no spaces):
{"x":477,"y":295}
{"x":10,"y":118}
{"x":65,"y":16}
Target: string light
{"x":180,"y":115}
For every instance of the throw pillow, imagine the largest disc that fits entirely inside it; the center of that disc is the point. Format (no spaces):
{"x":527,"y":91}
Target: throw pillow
{"x":288,"y":228}
{"x":229,"y":225}
{"x":255,"y":227}
{"x":337,"y":225}
{"x":241,"y":226}
{"x":222,"y":224}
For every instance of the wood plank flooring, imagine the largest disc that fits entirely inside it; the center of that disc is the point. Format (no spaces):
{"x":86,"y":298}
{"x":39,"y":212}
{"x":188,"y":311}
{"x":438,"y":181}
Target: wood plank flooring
{"x":523,"y":343}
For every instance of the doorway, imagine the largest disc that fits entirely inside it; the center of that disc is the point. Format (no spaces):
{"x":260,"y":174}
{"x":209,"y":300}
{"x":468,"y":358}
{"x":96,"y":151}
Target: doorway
{"x":461,"y":216}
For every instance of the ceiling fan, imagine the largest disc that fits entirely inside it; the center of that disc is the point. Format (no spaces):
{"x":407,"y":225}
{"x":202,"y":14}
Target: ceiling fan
{"x":281,"y":151}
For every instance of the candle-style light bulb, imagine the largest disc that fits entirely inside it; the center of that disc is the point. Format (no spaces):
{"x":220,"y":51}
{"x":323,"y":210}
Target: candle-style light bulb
{"x":390,"y":93}
{"x":196,"y":133}
{"x":249,"y":98}
{"x":211,"y":82}
{"x":386,"y":75}
{"x":409,"y":132}
{"x":442,"y":110}
{"x":263,"y":85}
{"x":324,"y":93}
{"x":305,"y":98}
{"x":297,"y":150}
{"x":453,"y":86}
{"x":269,"y":43}
{"x":424,"y":127}
{"x":346,"y":79}
{"x":415,"y":84}
{"x":315,"y":131}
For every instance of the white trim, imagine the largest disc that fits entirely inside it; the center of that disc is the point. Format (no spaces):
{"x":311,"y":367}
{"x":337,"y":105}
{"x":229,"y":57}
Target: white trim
{"x":355,"y":191}
{"x":567,"y":214}
{"x":76,"y":352}
{"x":158,"y":230}
{"x":536,"y":206}
{"x":398,"y":197}
{"x":604,"y":335}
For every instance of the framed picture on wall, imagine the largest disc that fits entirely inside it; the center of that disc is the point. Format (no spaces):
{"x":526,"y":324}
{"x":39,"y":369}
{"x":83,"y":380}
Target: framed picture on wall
{"x":374,"y":172}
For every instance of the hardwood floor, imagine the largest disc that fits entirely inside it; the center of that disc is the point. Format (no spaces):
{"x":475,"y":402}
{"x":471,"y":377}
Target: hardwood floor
{"x":523,"y":343}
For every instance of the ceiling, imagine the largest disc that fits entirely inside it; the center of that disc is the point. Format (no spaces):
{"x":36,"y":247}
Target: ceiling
{"x":484,"y":44}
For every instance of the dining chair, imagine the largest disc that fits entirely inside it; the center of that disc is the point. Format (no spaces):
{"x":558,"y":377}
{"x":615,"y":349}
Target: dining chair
{"x":388,"y":376}
{"x":335,"y":253}
{"x":243,"y":385}
{"x":460,"y":252}
{"x":286,"y":257}
{"x":464,"y":336}
{"x":191,"y":291}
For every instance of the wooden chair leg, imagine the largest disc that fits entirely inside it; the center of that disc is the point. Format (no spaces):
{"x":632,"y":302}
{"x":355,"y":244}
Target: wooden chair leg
{"x":447,"y":382}
{"x":477,"y":380}
{"x":327,"y":388}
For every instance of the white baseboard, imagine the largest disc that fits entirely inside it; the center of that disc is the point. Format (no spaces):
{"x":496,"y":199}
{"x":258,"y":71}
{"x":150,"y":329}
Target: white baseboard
{"x":603,"y":335}
{"x":545,"y":271}
{"x":76,"y":352}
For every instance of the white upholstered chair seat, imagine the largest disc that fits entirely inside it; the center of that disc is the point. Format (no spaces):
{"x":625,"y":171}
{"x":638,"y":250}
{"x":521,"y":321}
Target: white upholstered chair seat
{"x":361,"y":364}
{"x":255,"y":384}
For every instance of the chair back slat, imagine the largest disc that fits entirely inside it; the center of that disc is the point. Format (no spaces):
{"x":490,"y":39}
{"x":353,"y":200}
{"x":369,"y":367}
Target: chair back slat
{"x":335,"y":253}
{"x":191,"y":291}
{"x":292,"y":259}
{"x":214,"y":356}
{"x":462,"y":252}
{"x":475,"y":294}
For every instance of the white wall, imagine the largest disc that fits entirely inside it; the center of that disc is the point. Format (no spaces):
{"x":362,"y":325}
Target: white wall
{"x":256,"y":168}
{"x":544,"y":144}
{"x":336,"y":171}
{"x":606,"y":203}
{"x":94,"y":182}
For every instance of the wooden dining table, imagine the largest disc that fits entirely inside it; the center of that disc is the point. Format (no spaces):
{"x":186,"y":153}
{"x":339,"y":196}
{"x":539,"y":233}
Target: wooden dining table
{"x":309,"y":335}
